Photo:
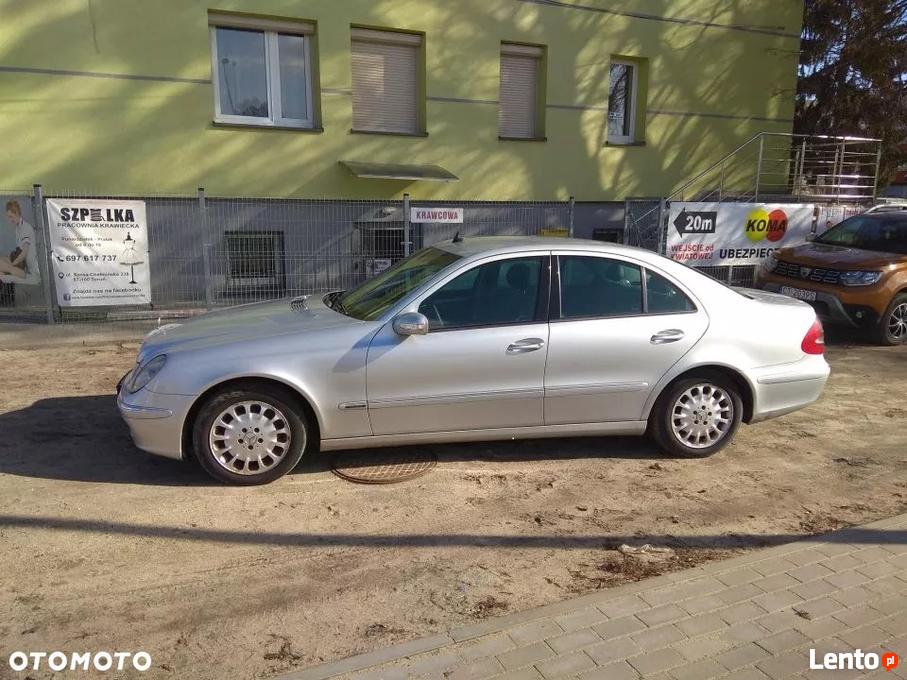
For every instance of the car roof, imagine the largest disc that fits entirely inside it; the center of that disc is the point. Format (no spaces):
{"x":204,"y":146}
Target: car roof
{"x":471,"y":246}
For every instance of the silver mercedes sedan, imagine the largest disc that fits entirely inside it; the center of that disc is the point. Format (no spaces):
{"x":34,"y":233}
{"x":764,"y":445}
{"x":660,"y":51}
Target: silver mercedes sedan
{"x":476,"y":339}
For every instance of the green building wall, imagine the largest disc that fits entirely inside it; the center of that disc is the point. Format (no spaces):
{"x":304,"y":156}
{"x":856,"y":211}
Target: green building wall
{"x":115,"y":96}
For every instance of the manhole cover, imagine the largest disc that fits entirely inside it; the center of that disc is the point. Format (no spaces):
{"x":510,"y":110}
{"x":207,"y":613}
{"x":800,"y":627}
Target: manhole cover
{"x":382,"y":468}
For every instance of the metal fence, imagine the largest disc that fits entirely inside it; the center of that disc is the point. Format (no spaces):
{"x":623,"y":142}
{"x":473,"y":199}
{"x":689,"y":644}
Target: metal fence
{"x":206,"y":252}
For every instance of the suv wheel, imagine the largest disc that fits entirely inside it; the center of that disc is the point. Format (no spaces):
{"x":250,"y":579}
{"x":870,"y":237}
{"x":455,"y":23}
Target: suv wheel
{"x":697,"y":416}
{"x":249,"y":436}
{"x":893,"y":324}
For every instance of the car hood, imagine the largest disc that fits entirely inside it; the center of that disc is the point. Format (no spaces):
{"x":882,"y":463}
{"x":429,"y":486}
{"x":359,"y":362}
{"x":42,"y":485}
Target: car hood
{"x":245,"y":323}
{"x":838,"y":257}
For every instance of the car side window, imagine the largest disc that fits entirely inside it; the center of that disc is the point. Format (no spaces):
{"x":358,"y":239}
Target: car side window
{"x":663,"y":297}
{"x":599,"y":287}
{"x":493,"y":294}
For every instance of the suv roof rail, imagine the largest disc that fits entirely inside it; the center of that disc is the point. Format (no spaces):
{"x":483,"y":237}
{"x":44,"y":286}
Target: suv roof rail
{"x":888,"y":207}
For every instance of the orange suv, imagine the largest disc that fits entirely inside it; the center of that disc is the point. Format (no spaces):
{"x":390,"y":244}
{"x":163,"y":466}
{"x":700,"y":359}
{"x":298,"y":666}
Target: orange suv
{"x":855,"y":274}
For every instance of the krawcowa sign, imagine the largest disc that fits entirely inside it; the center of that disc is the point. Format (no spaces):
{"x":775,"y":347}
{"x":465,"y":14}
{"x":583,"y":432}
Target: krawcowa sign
{"x":716,"y":234}
{"x":99,"y":250}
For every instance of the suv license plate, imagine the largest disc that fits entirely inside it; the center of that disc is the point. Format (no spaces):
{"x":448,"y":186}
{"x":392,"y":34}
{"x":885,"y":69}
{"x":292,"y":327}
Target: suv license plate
{"x":799,"y":293}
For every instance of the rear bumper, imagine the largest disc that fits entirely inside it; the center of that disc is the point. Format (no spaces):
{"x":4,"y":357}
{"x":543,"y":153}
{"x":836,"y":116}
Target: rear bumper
{"x":786,"y":388}
{"x":155,"y":420}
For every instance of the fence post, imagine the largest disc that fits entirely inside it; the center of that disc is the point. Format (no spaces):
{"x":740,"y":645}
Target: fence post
{"x":41,"y":217}
{"x":759,"y":167}
{"x":800,"y":177}
{"x":662,"y":226}
{"x":407,"y":241}
{"x":571,"y":204}
{"x":206,"y":247}
{"x":721,"y":182}
{"x":875,"y":179}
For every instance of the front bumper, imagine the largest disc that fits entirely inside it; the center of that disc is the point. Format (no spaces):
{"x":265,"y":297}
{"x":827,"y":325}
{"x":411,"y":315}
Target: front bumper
{"x":829,"y":306}
{"x":155,"y":420}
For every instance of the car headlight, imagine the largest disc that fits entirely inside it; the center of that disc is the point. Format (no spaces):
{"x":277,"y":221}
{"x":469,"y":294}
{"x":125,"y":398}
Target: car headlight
{"x":860,"y":278}
{"x":145,"y":373}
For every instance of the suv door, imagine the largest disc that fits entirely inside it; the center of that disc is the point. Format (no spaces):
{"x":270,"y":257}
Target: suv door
{"x":616,"y":329}
{"x":482,"y":363}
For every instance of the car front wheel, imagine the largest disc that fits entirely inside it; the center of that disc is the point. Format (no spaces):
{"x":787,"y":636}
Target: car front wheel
{"x":893,"y":324}
{"x":249,"y":436}
{"x":696,"y":416}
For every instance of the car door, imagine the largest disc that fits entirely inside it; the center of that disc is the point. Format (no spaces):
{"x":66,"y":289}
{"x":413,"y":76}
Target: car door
{"x":482,"y":363}
{"x":616,"y":329}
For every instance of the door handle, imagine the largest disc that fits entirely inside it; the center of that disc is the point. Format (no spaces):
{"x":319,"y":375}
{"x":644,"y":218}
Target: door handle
{"x":664,"y":337}
{"x":525,"y":345}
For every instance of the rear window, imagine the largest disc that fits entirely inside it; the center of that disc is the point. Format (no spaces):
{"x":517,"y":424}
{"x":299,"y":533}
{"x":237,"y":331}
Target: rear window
{"x":599,"y":287}
{"x":663,"y":297}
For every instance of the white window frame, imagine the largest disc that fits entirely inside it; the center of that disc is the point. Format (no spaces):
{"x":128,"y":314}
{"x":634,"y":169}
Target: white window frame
{"x":271,"y":30}
{"x":631,"y":105}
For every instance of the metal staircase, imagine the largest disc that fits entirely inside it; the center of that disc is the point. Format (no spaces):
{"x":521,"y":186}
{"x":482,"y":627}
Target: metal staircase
{"x":769,"y":167}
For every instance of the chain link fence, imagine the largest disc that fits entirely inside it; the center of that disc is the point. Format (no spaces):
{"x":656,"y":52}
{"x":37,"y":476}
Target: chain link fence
{"x":205,"y":252}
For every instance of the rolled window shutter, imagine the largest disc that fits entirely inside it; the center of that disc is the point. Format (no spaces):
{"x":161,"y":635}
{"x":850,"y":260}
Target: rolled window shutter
{"x":384,"y":83}
{"x":519,"y":95}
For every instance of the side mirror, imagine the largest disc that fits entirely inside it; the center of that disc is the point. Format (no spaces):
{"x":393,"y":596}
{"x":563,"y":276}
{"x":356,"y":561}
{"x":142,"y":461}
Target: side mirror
{"x":411,"y":323}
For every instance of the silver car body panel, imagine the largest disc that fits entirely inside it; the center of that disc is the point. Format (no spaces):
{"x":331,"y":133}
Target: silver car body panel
{"x":367,"y":386}
{"x":496,"y":434}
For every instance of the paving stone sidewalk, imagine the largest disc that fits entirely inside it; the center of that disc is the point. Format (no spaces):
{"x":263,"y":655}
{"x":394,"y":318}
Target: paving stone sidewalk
{"x":747,"y":618}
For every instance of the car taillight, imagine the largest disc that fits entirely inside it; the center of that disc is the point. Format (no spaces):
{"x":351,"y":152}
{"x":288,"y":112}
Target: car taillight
{"x":814,"y":340}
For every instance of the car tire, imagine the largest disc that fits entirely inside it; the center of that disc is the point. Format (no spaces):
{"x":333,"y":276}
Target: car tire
{"x":696,"y":416}
{"x":892,"y":328}
{"x":250,"y":436}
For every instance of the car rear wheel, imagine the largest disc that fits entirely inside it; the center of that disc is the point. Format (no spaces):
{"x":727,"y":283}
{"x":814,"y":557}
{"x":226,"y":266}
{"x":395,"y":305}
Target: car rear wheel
{"x":249,"y":436}
{"x":893,"y":324}
{"x":696,"y":416}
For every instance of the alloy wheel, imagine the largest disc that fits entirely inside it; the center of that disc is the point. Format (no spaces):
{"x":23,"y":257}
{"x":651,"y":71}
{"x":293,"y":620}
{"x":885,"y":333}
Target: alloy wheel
{"x":897,"y":322}
{"x":702,"y":416}
{"x":249,"y":437}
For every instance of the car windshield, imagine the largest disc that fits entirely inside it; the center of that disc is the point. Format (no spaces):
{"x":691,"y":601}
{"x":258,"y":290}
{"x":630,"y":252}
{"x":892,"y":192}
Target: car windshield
{"x":371,"y":299}
{"x":878,"y":232}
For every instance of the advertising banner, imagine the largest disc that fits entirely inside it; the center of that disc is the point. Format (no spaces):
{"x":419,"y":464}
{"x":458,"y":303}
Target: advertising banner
{"x":718,"y":234}
{"x":99,"y":250}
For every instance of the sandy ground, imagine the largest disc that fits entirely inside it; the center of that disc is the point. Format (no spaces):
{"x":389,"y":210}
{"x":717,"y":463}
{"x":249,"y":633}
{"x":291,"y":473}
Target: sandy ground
{"x":102,"y":547}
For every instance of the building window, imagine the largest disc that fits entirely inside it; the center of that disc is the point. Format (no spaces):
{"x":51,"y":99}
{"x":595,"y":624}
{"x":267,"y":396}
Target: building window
{"x":255,"y":261}
{"x":518,"y":108}
{"x":386,"y":81}
{"x":262,"y":71}
{"x":622,"y":102}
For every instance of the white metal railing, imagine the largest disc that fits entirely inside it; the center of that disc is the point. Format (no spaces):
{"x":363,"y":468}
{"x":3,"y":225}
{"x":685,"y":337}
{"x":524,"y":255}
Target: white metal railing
{"x":772,"y":166}
{"x":819,"y":168}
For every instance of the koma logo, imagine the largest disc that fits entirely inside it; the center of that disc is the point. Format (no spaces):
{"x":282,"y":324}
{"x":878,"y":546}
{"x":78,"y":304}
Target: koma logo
{"x":97,"y":215}
{"x":761,"y":224}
